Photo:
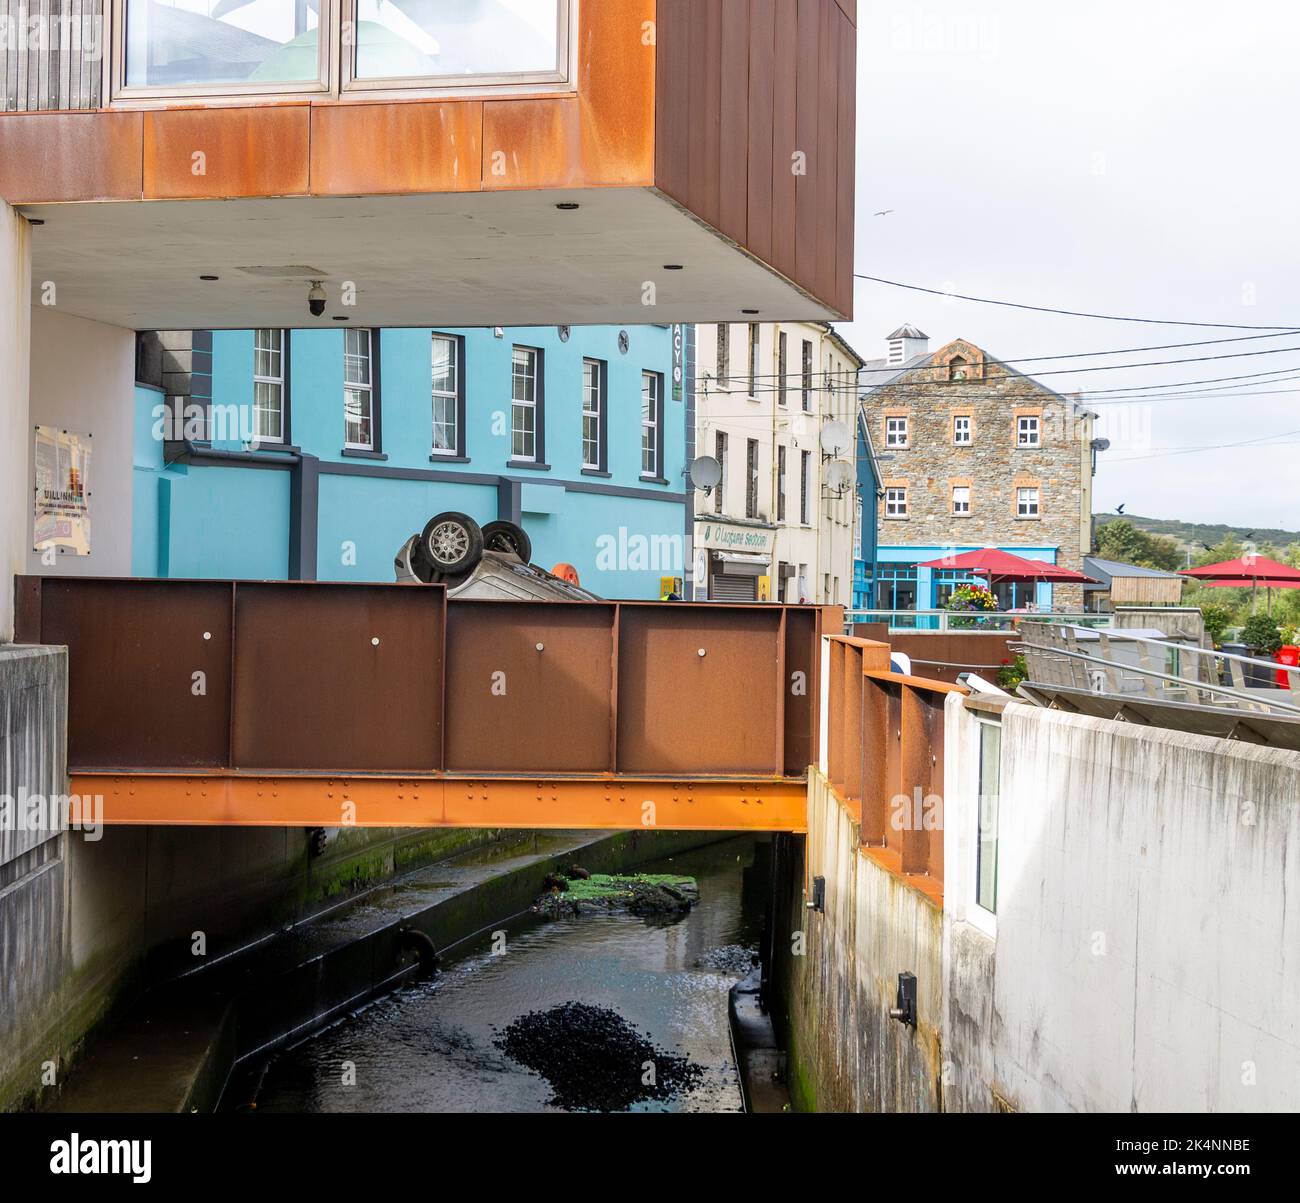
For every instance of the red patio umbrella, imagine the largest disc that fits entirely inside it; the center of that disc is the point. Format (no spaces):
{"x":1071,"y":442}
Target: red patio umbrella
{"x":1249,"y":570}
{"x":1003,"y":566}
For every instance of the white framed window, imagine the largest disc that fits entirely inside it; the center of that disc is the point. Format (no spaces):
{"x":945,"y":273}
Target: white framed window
{"x":896,"y":432}
{"x":523,"y":406}
{"x":651,"y":416}
{"x":444,"y":46}
{"x":593,"y":387}
{"x":896,"y":502}
{"x":1028,"y":431}
{"x":986,"y":817}
{"x":358,"y":391}
{"x":961,"y":499}
{"x":962,"y":433}
{"x":163,"y":49}
{"x":1027,"y":502}
{"x":268,"y":385}
{"x":445,"y":391}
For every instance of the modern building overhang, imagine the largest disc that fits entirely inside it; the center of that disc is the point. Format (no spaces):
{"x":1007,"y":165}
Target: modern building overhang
{"x":722,"y":145}
{"x":484,"y":259}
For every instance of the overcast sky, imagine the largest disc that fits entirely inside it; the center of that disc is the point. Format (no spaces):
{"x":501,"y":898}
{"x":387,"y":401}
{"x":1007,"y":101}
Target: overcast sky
{"x":1130,"y":157}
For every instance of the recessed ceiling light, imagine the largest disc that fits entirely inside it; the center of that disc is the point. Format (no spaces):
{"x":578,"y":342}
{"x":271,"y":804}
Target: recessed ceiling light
{"x":750,"y":312}
{"x":341,"y":318}
{"x":209,"y":277}
{"x":36,"y":221}
{"x":568,"y":206}
{"x":672,"y":267}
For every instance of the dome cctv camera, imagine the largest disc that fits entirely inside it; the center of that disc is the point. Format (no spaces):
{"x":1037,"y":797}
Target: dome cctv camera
{"x":316,"y":299}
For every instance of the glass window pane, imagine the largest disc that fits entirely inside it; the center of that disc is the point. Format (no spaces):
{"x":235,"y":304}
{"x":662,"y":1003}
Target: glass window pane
{"x":986,"y":873}
{"x":444,"y":425}
{"x":444,"y":364}
{"x":356,"y":356}
{"x":430,"y":38}
{"x":193,"y":43}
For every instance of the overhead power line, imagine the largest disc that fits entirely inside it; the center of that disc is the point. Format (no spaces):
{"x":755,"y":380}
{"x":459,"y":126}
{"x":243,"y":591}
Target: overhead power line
{"x":1101,"y":317}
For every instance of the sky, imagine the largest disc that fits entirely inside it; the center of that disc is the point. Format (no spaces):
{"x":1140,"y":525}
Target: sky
{"x":1127,"y":157}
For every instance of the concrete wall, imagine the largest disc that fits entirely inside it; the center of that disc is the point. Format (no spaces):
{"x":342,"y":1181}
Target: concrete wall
{"x":82,"y":376}
{"x":15,"y":320}
{"x":830,"y":1004}
{"x":33,"y":883}
{"x":1142,"y":953}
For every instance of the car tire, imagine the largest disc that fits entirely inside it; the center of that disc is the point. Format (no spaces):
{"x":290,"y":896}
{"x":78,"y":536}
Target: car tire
{"x":453,"y":543}
{"x":508,"y":537}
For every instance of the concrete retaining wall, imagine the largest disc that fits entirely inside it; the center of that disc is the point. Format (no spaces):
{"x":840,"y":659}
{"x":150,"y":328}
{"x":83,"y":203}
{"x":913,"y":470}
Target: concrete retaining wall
{"x":1142,"y":954}
{"x":834,"y":975}
{"x":1139,"y":954}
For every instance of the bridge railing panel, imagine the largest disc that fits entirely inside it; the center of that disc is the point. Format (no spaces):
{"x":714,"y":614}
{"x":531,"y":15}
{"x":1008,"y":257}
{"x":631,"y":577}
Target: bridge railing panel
{"x":177,"y":677}
{"x":884,"y":755}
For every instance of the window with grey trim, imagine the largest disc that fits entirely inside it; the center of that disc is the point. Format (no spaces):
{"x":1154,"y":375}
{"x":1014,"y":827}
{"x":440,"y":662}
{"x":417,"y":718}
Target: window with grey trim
{"x":753,"y":358}
{"x":782,"y":386}
{"x":780,"y":483}
{"x":445,"y":382}
{"x":652,"y":416}
{"x":990,"y":786}
{"x":720,"y":453}
{"x":525,"y":410}
{"x":593,"y":414}
{"x":805,"y":483}
{"x":358,"y":391}
{"x":724,"y":352}
{"x":751,"y":478}
{"x":807,"y":376}
{"x":268,"y":385}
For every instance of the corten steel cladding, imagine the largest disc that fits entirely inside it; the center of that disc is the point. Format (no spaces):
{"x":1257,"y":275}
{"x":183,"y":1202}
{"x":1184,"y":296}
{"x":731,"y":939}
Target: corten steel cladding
{"x":148,"y":668}
{"x":683,"y":712}
{"x":530,"y":687}
{"x":338,"y":678}
{"x":801,"y":667}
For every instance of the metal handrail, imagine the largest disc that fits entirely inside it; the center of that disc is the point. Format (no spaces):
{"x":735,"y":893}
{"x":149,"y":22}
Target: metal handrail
{"x":1252,"y":701}
{"x":1195,"y":649}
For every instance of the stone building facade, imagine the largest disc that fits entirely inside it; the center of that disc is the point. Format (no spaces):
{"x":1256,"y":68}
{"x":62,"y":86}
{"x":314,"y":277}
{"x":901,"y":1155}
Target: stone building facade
{"x":974,"y":454}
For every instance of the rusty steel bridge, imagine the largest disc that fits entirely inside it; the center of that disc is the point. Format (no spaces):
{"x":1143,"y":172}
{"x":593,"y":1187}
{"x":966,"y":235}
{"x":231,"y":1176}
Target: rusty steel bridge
{"x":327,"y":705}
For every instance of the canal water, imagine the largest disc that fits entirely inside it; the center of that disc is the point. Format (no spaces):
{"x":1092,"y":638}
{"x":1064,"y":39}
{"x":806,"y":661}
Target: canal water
{"x":429,"y":1046}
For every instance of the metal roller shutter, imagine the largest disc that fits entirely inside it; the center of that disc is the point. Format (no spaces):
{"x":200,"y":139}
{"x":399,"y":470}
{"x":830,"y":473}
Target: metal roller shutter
{"x":727,"y":588}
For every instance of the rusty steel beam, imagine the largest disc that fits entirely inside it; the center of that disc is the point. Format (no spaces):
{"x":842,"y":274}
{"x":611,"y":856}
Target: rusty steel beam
{"x":567,"y":803}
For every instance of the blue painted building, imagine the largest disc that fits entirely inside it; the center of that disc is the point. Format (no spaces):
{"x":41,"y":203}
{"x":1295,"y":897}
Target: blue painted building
{"x":865,"y":539}
{"x":313,"y":454}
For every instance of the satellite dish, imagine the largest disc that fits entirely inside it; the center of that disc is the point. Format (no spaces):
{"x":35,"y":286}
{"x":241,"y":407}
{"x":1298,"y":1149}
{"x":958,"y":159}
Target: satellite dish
{"x":706,"y":473}
{"x":839,"y":476}
{"x":835,"y":438}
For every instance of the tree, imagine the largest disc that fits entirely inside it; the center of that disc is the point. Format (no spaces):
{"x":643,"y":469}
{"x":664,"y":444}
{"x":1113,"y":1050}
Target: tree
{"x":1122,"y":541}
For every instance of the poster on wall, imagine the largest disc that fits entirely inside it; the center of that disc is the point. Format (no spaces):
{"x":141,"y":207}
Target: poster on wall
{"x":62,"y":517}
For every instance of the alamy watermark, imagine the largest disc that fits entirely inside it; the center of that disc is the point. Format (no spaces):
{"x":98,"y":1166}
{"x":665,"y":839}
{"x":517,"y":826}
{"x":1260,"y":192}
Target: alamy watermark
{"x":53,"y":812}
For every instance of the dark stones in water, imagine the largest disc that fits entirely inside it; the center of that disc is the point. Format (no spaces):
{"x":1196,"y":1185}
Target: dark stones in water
{"x":594,"y":1060}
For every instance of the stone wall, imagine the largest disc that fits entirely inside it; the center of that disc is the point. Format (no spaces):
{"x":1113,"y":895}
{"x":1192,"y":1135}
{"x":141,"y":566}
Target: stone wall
{"x":992,"y":465}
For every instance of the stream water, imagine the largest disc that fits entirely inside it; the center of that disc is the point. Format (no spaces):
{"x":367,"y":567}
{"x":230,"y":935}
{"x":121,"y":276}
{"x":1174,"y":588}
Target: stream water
{"x":429,"y":1047}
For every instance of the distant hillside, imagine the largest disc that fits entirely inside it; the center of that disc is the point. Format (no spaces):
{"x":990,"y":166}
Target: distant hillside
{"x":1194,"y":534}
